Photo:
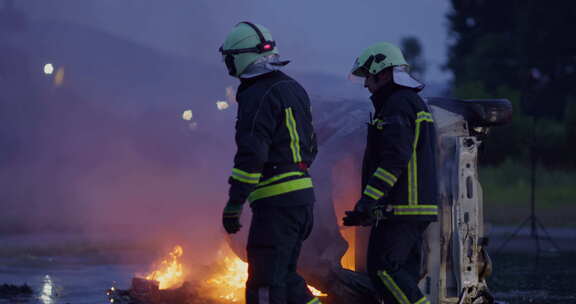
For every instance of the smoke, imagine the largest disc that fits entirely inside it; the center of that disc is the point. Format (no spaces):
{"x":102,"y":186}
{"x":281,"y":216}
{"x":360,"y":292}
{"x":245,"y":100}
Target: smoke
{"x":181,"y":27}
{"x":106,"y":155}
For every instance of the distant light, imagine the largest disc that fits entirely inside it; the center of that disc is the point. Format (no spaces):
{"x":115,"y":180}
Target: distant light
{"x":59,"y":78}
{"x":187,"y":115}
{"x":222,"y":105}
{"x":48,"y":69}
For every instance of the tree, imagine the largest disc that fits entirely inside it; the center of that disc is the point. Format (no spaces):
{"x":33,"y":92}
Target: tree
{"x":570,"y":129}
{"x":517,"y":43}
{"x":412,"y":50}
{"x":517,"y":49}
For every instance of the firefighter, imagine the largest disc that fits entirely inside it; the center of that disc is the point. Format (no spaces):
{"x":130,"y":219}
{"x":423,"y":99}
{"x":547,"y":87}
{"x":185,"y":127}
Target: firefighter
{"x":276,"y":145}
{"x":399,"y":187}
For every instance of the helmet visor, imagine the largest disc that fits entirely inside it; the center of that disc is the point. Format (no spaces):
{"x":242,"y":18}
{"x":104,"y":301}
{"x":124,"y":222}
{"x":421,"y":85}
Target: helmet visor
{"x":358,"y":72}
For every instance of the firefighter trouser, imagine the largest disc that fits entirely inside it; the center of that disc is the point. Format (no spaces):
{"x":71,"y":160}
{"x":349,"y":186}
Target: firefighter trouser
{"x":394,"y":259}
{"x":274,"y":242}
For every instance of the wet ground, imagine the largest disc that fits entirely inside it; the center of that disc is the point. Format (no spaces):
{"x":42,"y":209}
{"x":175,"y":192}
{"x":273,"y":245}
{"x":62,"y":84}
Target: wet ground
{"x":83,"y":275}
{"x":63,"y":269}
{"x":528,"y":278}
{"x":80,"y":284}
{"x":533,"y":266}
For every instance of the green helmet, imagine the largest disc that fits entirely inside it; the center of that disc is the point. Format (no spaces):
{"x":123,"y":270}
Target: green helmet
{"x":377,"y":58}
{"x":245,"y":44}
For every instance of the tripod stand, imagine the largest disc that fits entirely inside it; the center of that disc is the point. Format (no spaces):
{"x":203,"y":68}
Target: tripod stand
{"x":537,"y":230}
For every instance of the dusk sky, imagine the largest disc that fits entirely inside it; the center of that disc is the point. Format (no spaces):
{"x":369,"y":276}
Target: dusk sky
{"x":321,"y":36}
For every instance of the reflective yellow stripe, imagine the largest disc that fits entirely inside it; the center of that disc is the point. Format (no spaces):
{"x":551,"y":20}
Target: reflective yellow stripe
{"x":413,"y":169}
{"x":373,"y":192}
{"x":314,"y":301}
{"x":378,"y":123}
{"x":413,"y":163}
{"x":279,"y":177}
{"x":424,"y":300}
{"x":294,"y":138}
{"x":393,"y":287}
{"x":424,"y":116}
{"x":245,"y":177}
{"x":386,"y":176}
{"x":415,"y":209}
{"x":273,"y":190}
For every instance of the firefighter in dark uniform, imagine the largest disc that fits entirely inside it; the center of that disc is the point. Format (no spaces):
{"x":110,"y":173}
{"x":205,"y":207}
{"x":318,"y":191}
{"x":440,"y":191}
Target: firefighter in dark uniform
{"x":275,"y":146}
{"x":399,"y":186}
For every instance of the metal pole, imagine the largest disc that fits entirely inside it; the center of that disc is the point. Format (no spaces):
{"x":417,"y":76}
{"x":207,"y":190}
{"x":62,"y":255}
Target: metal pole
{"x":533,"y":231}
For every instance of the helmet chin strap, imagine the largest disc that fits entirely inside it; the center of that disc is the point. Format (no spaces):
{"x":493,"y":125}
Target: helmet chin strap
{"x":229,"y":61}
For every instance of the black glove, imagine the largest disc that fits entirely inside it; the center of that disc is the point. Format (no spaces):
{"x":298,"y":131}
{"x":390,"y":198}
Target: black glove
{"x":354,"y":218}
{"x":365,"y":206}
{"x":366,"y":213}
{"x":231,"y":217}
{"x":361,"y":215}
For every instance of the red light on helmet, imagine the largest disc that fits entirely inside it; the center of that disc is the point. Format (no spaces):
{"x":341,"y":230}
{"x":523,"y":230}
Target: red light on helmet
{"x":267,"y":46}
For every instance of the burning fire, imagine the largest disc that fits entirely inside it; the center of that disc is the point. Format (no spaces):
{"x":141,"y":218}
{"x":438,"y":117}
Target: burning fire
{"x":348,"y":260}
{"x":169,"y":273}
{"x":230,"y":282}
{"x":227,"y":283}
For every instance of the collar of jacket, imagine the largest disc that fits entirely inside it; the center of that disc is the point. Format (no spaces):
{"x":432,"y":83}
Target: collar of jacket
{"x":380,"y":97}
{"x":245,"y":83}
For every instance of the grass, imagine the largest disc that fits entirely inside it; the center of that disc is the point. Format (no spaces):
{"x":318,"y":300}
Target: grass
{"x":507,"y":194}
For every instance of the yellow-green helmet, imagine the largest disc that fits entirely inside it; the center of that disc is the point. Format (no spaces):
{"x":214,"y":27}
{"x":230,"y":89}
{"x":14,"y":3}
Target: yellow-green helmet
{"x":245,"y":44}
{"x":377,"y":58}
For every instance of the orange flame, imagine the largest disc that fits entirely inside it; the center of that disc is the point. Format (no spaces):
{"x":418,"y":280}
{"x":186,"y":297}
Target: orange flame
{"x":170,"y":272}
{"x":226,"y":284}
{"x":344,"y":197}
{"x":229,"y":282}
{"x":348,"y":260}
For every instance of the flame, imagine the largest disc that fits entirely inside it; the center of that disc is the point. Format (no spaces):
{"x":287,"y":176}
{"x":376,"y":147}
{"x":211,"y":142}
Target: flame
{"x":228,"y":284}
{"x":348,"y":260}
{"x":344,"y":196}
{"x":225,"y":284}
{"x":170,"y":272}
{"x":229,"y":281}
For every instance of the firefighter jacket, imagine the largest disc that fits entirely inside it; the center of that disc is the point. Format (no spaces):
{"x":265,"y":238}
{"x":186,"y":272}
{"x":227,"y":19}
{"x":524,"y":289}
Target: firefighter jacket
{"x":276,"y":142}
{"x":399,"y":165}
